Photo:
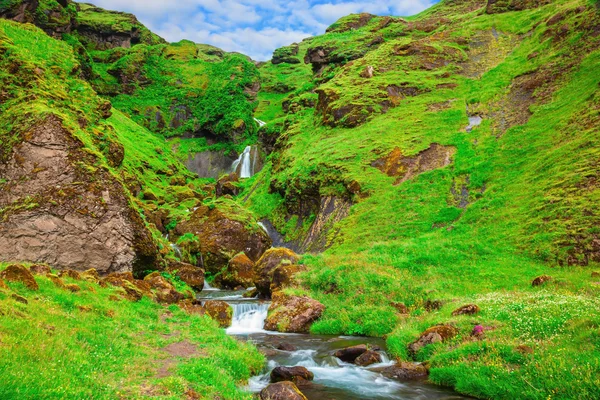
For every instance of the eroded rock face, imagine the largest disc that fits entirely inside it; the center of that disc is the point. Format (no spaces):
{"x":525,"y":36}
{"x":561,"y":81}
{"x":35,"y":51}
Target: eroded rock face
{"x":267,"y":264}
{"x":501,"y":6}
{"x":405,"y":168}
{"x":221,"y":237}
{"x":282,"y":391}
{"x":54,"y":21}
{"x":209,"y":164}
{"x":292,"y":314}
{"x":239,"y":272}
{"x":60,"y":213}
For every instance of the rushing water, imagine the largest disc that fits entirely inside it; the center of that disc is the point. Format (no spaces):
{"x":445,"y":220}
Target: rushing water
{"x":245,"y":163}
{"x":334,"y":379}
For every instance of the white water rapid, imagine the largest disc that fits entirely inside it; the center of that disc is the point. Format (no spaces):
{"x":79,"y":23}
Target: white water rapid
{"x":248,"y":318}
{"x":246,"y":163}
{"x":260,"y":123}
{"x":333,"y":378}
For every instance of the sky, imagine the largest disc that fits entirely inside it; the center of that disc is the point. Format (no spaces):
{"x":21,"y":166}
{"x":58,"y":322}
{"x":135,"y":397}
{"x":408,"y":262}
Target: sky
{"x":252,"y":27}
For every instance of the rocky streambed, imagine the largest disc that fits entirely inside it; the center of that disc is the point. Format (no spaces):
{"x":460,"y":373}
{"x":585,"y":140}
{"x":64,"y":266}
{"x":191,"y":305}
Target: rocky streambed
{"x":322,"y":367}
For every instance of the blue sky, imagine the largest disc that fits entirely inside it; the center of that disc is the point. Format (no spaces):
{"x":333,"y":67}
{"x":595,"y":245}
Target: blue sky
{"x":252,"y":27}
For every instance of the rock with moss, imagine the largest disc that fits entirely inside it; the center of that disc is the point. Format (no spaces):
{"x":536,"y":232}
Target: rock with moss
{"x":223,"y":232}
{"x":292,"y":314}
{"x":238,"y":273}
{"x":220,"y":311}
{"x":18,"y":273}
{"x":187,"y":273}
{"x":435,"y":334}
{"x":268,"y":263}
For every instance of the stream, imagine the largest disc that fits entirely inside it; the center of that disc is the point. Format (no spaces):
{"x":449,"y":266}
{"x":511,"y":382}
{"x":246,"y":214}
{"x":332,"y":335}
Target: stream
{"x":334,"y":379}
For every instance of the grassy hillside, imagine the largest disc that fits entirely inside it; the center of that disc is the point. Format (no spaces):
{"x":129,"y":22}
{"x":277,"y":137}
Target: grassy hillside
{"x":443,"y":216}
{"x":96,"y":344}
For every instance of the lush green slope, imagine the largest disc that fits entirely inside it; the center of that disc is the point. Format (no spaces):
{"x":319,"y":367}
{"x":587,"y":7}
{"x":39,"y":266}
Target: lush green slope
{"x":474,"y":222}
{"x":95,"y":344}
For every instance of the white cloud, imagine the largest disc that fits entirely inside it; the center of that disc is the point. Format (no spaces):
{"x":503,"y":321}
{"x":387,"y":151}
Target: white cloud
{"x":253,"y":27}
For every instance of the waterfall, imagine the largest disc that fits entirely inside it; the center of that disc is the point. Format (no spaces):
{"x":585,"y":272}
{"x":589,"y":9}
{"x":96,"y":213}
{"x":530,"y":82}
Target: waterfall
{"x":245,"y":161}
{"x":260,"y":123}
{"x":264,"y":227}
{"x":248,"y":318}
{"x":207,"y":287}
{"x":176,"y":249}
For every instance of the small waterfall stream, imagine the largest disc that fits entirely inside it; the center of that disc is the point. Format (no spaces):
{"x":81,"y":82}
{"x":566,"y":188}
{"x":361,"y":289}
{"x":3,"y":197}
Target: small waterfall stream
{"x":244,"y":163}
{"x":334,"y":379}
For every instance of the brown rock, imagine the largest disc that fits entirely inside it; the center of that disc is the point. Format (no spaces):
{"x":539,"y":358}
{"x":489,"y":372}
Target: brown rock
{"x":286,"y":347}
{"x":91,"y":275}
{"x":401,"y":308}
{"x":433,"y":305}
{"x":281,"y":391}
{"x":239,"y":272}
{"x":267,"y":264}
{"x":404,"y":168}
{"x":3,"y":285}
{"x":220,"y":237}
{"x":406,"y":371}
{"x":368,"y":72}
{"x":18,"y":273}
{"x":73,"y":288}
{"x":435,"y":334}
{"x":220,"y":312}
{"x":226,"y":185}
{"x":192,"y":276}
{"x":56,"y":280}
{"x":291,"y":374}
{"x":595,"y":274}
{"x":469,"y":309}
{"x":164,"y":291}
{"x":292,"y":314}
{"x":283,"y":276}
{"x":368,"y":358}
{"x":540,"y":280}
{"x":40,"y":269}
{"x":69,"y":273}
{"x":191,"y":307}
{"x":350,"y":354}
{"x":66,"y":230}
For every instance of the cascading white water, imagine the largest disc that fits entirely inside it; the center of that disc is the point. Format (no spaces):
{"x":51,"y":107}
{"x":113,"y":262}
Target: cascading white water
{"x":248,"y":318}
{"x":264,"y":227}
{"x":207,"y":287}
{"x":176,"y":249}
{"x":259,"y":122}
{"x":247,"y":165}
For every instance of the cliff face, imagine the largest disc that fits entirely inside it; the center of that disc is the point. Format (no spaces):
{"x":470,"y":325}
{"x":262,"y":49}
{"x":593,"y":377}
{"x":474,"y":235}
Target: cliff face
{"x":57,"y":208}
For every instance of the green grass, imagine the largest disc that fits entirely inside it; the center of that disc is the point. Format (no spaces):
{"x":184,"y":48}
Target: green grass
{"x":83,"y":345}
{"x":530,"y":192}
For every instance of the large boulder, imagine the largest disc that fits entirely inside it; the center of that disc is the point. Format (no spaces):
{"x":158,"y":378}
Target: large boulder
{"x":20,"y":274}
{"x":350,"y":354}
{"x":292,"y":314}
{"x":219,"y":311}
{"x":435,"y":334}
{"x":368,"y":358}
{"x":267,"y":264}
{"x":189,"y":274}
{"x":81,"y":217}
{"x":282,"y":391}
{"x":291,"y":374}
{"x":222,"y":235}
{"x":238,"y":273}
{"x":283,"y":276}
{"x":164,"y":291}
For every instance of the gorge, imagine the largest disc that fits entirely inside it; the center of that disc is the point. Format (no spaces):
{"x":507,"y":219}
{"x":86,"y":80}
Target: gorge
{"x":399,"y":208}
